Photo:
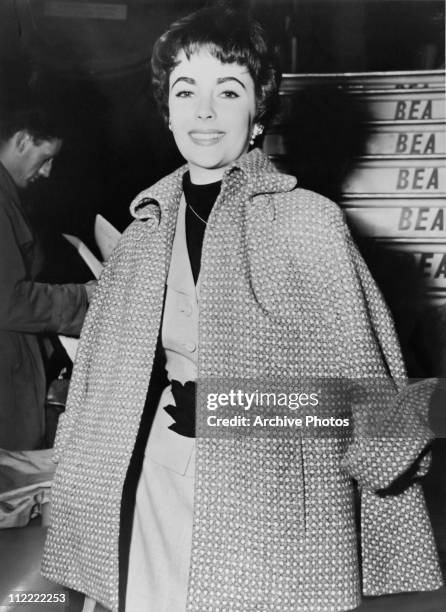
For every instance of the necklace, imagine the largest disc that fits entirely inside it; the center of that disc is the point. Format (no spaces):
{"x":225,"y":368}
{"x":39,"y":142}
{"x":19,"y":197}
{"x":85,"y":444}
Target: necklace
{"x":197,"y":215}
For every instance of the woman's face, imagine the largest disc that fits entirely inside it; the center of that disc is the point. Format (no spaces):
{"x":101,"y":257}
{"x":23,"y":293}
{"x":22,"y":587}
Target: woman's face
{"x":211,"y":113}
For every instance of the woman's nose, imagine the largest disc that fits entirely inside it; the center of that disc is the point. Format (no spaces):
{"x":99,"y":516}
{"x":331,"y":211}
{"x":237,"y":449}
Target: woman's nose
{"x":205,"y":108}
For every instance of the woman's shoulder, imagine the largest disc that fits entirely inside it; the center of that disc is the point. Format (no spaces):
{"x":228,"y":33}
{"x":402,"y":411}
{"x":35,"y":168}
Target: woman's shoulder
{"x":146,"y":208}
{"x":313,"y":227}
{"x":302,"y":207}
{"x":160,"y":193}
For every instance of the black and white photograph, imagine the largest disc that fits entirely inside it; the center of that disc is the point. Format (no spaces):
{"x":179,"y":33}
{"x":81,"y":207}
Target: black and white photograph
{"x":222,"y":306}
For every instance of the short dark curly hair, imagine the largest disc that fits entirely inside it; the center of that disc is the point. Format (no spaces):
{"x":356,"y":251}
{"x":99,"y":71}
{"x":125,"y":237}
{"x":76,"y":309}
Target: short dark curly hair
{"x":25,"y":107}
{"x":230,"y":36}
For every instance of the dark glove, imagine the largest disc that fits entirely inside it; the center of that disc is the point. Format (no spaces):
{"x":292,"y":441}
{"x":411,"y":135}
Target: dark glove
{"x":184,"y":411}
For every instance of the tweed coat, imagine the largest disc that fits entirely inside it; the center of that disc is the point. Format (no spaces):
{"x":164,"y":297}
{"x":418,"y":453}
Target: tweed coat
{"x":283,"y":293}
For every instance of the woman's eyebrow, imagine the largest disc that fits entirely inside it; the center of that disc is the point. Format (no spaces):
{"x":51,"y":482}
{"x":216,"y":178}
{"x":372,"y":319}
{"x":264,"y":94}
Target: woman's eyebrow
{"x":230,"y":78}
{"x":221,"y":80}
{"x":185,"y":79}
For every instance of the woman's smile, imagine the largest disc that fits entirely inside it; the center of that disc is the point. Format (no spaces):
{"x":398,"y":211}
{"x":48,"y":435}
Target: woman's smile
{"x":206,"y":138}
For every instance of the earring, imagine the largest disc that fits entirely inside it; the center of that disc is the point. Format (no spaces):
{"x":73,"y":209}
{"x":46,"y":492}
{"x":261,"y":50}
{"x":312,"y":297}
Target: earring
{"x":169,"y":125}
{"x":258,"y":129}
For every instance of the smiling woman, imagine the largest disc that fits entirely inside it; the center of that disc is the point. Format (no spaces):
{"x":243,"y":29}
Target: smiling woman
{"x":212,"y":107}
{"x":231,"y":274}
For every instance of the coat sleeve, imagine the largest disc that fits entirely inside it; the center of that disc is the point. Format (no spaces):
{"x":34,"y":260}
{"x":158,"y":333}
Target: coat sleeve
{"x":31,"y":307}
{"x":391,"y":435}
{"x":390,"y":416}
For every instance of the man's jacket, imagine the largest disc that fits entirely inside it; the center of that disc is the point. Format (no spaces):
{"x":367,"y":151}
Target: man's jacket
{"x":28,"y":310}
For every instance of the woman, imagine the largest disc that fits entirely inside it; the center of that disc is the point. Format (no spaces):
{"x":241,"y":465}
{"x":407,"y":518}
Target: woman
{"x":244,"y":277}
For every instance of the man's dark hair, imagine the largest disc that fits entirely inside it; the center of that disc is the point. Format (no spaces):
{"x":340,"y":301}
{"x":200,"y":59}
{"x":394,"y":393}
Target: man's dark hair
{"x":229,"y":36}
{"x":34,"y":115}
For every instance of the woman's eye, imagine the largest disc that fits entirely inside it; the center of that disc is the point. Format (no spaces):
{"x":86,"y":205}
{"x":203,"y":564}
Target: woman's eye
{"x":229,"y":93}
{"x":184,"y":93}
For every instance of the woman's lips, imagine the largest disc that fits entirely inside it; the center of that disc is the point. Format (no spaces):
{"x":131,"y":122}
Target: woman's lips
{"x":207,"y":138}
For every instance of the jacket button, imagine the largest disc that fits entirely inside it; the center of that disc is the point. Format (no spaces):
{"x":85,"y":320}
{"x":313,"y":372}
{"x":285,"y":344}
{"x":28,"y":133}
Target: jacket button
{"x":190,"y":346}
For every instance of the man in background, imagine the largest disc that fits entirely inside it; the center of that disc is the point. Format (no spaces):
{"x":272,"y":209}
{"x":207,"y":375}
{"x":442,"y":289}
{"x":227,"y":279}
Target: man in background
{"x":29,"y":310}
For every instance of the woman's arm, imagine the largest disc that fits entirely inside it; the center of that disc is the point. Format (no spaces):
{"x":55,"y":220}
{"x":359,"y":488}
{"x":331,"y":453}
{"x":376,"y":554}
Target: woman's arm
{"x":390,"y":415}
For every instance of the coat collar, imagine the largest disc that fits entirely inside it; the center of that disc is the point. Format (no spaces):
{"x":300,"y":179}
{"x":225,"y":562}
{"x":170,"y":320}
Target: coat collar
{"x":254,"y":168}
{"x":260,"y":174}
{"x":8,"y":186}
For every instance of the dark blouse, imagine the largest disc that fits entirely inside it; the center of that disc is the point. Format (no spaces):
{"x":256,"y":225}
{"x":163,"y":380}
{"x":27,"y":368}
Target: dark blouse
{"x":199,"y":199}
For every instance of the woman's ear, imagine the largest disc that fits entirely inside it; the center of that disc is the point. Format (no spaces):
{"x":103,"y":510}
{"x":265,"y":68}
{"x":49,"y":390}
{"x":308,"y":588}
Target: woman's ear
{"x":256,"y":131}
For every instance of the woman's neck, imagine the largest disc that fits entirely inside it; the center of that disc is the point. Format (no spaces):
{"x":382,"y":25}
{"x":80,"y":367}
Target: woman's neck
{"x":204,"y":176}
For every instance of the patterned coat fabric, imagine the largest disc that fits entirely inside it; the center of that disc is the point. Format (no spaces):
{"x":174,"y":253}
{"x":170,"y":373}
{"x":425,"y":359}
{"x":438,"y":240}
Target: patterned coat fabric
{"x":283,"y":294}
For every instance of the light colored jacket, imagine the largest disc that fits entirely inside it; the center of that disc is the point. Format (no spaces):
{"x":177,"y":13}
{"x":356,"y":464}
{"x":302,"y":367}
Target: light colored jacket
{"x":283,"y":295}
